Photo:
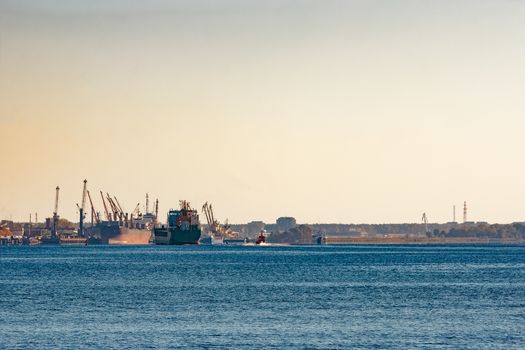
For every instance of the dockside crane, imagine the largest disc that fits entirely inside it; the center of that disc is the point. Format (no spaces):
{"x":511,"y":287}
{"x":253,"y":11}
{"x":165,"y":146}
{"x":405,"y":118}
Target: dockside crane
{"x":213,"y":217}
{"x":136,"y":211}
{"x":117,"y":213}
{"x":213,"y":224}
{"x":112,"y":207}
{"x":207,"y":210}
{"x":81,"y":210}
{"x":94,"y":214}
{"x":54,"y":232}
{"x":108,"y":215}
{"x":120,"y":210}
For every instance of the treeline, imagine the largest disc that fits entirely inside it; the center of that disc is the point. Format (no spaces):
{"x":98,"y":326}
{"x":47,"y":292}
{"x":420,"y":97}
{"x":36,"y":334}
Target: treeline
{"x":483,"y":230}
{"x":301,"y":234}
{"x":375,"y":229}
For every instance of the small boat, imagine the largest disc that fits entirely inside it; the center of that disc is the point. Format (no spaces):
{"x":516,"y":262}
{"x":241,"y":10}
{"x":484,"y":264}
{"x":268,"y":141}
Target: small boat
{"x":73,"y":240}
{"x":261,"y":240}
{"x":217,"y":239}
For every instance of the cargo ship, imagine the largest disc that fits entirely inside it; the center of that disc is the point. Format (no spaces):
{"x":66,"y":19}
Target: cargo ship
{"x":119,"y":227}
{"x":182,"y":227}
{"x":134,"y":231}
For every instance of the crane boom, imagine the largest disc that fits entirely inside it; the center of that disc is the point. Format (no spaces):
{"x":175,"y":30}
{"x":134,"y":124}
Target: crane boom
{"x":118,"y":206}
{"x":211,"y":214}
{"x":93,"y":211}
{"x":111,"y":205}
{"x":81,"y":210}
{"x":56,"y":200}
{"x":206,"y":211}
{"x":108,"y":217}
{"x":84,"y":190}
{"x":114,"y":208}
{"x":136,"y":210}
{"x":122,"y":215}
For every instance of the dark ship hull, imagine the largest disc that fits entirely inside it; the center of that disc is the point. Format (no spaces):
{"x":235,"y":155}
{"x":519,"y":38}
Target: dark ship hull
{"x":50,"y":240}
{"x":111,"y":232}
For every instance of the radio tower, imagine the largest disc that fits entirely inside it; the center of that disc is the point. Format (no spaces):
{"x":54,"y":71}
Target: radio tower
{"x":465,"y":212}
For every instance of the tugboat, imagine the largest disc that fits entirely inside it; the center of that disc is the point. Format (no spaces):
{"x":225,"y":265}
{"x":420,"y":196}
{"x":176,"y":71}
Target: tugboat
{"x":183,"y":227}
{"x":261,"y":240}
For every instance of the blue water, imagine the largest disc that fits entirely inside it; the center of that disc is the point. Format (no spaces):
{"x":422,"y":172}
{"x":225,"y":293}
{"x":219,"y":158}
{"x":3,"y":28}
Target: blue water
{"x":319,"y":297}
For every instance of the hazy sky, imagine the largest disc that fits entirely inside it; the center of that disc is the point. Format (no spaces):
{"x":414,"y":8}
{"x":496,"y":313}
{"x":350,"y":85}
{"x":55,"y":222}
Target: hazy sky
{"x":329,"y":111}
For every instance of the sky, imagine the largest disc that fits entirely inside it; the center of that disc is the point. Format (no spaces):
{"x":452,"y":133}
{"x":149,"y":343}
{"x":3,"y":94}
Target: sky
{"x":358,"y":111}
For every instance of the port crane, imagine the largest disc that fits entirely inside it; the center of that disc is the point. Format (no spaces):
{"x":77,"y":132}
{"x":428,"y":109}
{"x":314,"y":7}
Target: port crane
{"x":94,"y":214}
{"x":121,"y":213}
{"x":55,"y":214}
{"x":81,"y":210}
{"x":136,"y":212}
{"x":213,"y":224}
{"x":114,"y":208}
{"x":108,"y":215}
{"x":115,"y":211}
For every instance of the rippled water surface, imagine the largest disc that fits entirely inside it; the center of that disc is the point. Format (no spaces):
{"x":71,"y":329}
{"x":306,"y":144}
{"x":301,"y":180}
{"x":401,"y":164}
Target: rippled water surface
{"x":318,"y":297}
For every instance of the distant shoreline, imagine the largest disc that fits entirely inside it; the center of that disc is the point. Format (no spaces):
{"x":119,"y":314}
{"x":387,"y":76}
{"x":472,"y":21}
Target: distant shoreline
{"x":335,"y":240}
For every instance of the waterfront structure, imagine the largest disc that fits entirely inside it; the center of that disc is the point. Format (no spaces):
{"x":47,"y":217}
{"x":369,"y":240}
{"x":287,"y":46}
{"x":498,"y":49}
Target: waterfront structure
{"x":285,"y":223}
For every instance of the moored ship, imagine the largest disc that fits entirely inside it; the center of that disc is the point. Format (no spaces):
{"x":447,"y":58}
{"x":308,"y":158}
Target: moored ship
{"x":182,"y":227}
{"x":134,"y":231}
{"x":119,"y":227}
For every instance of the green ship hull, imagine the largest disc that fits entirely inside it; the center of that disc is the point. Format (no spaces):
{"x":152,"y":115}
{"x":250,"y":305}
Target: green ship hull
{"x":177,"y":236}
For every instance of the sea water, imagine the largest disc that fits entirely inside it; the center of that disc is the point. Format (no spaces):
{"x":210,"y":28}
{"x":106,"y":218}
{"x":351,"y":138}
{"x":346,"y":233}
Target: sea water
{"x":296,"y":297}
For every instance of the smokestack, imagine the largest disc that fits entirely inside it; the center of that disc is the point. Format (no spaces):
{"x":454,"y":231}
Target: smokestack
{"x":454,"y":213}
{"x":464,"y":211}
